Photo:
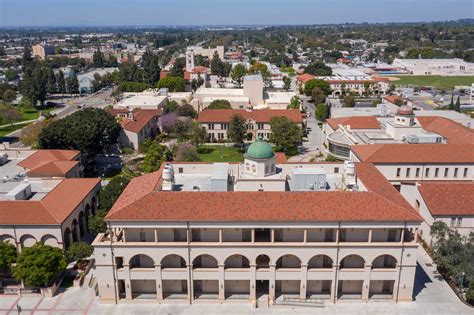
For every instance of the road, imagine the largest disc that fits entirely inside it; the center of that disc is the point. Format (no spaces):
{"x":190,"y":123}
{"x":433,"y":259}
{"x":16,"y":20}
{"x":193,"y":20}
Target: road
{"x":99,"y":99}
{"x":314,"y":145}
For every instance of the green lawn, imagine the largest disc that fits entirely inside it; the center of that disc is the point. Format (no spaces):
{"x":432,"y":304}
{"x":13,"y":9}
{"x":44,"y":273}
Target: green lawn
{"x":437,"y":81}
{"x":6,"y":130}
{"x":218,"y":153}
{"x":29,"y":115}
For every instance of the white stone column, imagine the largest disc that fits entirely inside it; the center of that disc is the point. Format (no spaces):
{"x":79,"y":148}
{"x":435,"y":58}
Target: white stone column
{"x":253,"y":283}
{"x":221,"y":283}
{"x":396,"y":283}
{"x":334,"y":283}
{"x":159,"y":283}
{"x":128,"y":284}
{"x":272,"y":283}
{"x":190,"y":284}
{"x":304,"y":282}
{"x":366,"y":284}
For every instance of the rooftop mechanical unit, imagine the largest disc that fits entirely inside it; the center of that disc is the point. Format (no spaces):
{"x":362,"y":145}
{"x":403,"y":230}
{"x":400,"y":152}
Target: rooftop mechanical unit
{"x":309,"y":179}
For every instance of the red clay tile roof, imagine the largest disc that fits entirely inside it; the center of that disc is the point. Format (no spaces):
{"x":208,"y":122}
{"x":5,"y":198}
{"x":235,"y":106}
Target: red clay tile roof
{"x":356,"y":122}
{"x":45,"y":156}
{"x":141,"y":118}
{"x":305,"y":77}
{"x":280,"y":158}
{"x":448,"y":198}
{"x":53,"y":209}
{"x":374,"y":181}
{"x":56,"y":168}
{"x":195,"y":70}
{"x":392,"y":98}
{"x":414,"y":153}
{"x":259,"y":115}
{"x":455,"y":132}
{"x":142,"y":202}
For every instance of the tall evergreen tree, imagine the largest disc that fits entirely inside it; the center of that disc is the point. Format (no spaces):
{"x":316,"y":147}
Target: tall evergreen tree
{"x":72,"y":84}
{"x":457,"y":106}
{"x":98,"y":59}
{"x":61,"y":82}
{"x":51,"y":86}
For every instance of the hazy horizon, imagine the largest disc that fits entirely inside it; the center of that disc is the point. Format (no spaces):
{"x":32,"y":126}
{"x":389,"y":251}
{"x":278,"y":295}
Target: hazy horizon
{"x":160,"y":13}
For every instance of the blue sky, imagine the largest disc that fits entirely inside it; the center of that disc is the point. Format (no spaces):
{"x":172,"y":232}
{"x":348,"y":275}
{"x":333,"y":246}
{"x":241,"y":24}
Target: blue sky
{"x":206,"y":12}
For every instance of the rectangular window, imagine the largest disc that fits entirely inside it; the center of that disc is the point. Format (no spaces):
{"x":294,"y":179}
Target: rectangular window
{"x":336,"y":170}
{"x":427,"y":172}
{"x":465,"y":173}
{"x":456,"y":172}
{"x":408,"y":172}
{"x":224,"y":126}
{"x":260,"y":126}
{"x":142,"y":237}
{"x":459,"y":222}
{"x":180,"y":170}
{"x":210,"y":126}
{"x":398,"y":172}
{"x":417,"y":174}
{"x":436,"y":172}
{"x":446,"y":172}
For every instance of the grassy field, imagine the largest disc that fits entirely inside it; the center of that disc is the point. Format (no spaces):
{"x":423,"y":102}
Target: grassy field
{"x":437,"y":81}
{"x":6,"y":130}
{"x":218,"y":153}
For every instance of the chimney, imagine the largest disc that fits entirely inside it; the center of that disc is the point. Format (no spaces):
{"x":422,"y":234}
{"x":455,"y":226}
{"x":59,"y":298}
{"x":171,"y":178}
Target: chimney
{"x":130,"y":114}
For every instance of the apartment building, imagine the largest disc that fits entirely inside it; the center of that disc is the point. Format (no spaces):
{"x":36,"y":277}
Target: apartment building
{"x":216,"y":121}
{"x":349,"y":84}
{"x":258,"y":232}
{"x":42,"y":50}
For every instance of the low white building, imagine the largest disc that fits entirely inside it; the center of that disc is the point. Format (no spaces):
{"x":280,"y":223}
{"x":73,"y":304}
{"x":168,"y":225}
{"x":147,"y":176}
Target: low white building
{"x":149,"y":99}
{"x":448,"y":67}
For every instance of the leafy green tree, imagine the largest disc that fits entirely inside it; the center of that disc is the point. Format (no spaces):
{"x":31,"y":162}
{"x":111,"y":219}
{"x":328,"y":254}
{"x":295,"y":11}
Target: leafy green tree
{"x":286,"y":134}
{"x":216,"y":64}
{"x":110,"y":193}
{"x":155,"y":156}
{"x":8,"y":114}
{"x":186,"y":110}
{"x":237,"y":129}
{"x":197,"y":134}
{"x":457,"y":106}
{"x":38,"y":265}
{"x":34,"y":83}
{"x":51,"y":84}
{"x":321,"y":84}
{"x":151,"y":67}
{"x":322,"y":112}
{"x":72,"y":84}
{"x":29,"y":134}
{"x":187,"y":153}
{"x":97,"y":224}
{"x":219,"y":104}
{"x":9,"y":96}
{"x":286,"y":83}
{"x":78,"y":251}
{"x":295,"y":103}
{"x":132,"y":87}
{"x":170,"y":107}
{"x":451,"y":104}
{"x":178,"y":67}
{"x":318,"y":95}
{"x":129,"y":72}
{"x":197,"y":83}
{"x":173,"y":84}
{"x":349,"y":101}
{"x":11,"y":75}
{"x":8,"y":256}
{"x":330,"y":158}
{"x":98,"y":59}
{"x":89,"y":130}
{"x":61,"y":82}
{"x":318,"y":69}
{"x":237,"y":74}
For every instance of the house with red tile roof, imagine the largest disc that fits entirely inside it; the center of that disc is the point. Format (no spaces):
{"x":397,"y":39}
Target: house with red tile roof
{"x":226,"y":227}
{"x":53,"y":164}
{"x":53,"y":211}
{"x":449,"y":202}
{"x":216,"y":121}
{"x":137,"y":125}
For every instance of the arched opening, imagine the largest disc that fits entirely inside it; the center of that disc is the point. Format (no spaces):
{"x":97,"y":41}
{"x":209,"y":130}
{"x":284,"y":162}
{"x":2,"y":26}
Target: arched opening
{"x":74,"y":231}
{"x":94,"y":205}
{"x":50,"y":240}
{"x":67,"y":238}
{"x":27,"y":240}
{"x":141,"y":261}
{"x":320,"y":261}
{"x":236,"y":261}
{"x":7,"y":238}
{"x":88,"y":214}
{"x":384,"y":261}
{"x":263,"y":261}
{"x":82,"y":224}
{"x":288,"y":261}
{"x":173,"y":261}
{"x":204,"y":261}
{"x":352,"y":261}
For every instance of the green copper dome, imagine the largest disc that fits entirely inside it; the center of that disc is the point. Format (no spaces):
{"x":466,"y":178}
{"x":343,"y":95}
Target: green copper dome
{"x":260,"y":149}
